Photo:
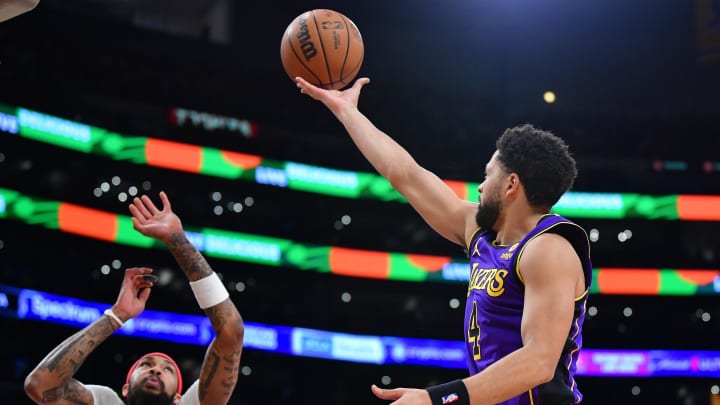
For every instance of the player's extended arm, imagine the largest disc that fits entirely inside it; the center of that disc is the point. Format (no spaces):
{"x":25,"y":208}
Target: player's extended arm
{"x":221,"y":365}
{"x":220,"y":368}
{"x":553,"y":278}
{"x":52,"y":382}
{"x":435,"y":201}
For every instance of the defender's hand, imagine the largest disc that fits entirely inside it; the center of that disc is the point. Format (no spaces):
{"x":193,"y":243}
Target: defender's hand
{"x":153,"y":222}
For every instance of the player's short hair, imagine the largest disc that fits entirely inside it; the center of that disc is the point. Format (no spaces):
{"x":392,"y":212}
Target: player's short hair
{"x":541,"y":160}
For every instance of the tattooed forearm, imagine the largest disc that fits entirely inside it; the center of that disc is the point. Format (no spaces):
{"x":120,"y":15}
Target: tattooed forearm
{"x":190,"y":260}
{"x":220,"y":371}
{"x":71,"y":392}
{"x":67,"y":357}
{"x":210,"y":367}
{"x":52,"y":380}
{"x":232,"y":367}
{"x":221,"y":313}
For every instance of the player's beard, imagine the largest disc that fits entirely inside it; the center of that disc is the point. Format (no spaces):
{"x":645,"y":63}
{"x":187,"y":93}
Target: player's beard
{"x":138,"y":396}
{"x":487,"y":213}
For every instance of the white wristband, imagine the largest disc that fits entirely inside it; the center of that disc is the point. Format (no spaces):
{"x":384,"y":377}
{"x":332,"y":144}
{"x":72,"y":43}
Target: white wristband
{"x":209,"y":291}
{"x":112,"y":315}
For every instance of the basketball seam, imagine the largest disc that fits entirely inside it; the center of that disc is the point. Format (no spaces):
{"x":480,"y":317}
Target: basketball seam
{"x":322,"y":45}
{"x":292,"y":48}
{"x":347,"y":50}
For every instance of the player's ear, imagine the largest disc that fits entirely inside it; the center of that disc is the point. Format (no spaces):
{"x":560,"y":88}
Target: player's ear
{"x":176,"y":399}
{"x":513,"y":182}
{"x":125,"y":389}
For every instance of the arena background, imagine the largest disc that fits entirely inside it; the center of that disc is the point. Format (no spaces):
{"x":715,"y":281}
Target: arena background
{"x":636,"y":87}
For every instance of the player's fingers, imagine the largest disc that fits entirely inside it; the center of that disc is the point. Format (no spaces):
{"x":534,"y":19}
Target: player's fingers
{"x":165,"y":201}
{"x":144,"y":294}
{"x":381,"y":393}
{"x":141,"y":208}
{"x":149,"y":205}
{"x":361,"y":82}
{"x":308,"y":88}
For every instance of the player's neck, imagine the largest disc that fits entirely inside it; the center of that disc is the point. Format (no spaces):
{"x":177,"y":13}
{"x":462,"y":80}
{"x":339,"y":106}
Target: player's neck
{"x":513,"y":226}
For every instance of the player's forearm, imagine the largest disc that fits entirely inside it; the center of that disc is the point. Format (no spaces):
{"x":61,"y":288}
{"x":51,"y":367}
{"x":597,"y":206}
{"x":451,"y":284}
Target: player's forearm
{"x":221,"y":366}
{"x":192,"y":263}
{"x":51,"y":380}
{"x":515,"y":374}
{"x":390,"y":159}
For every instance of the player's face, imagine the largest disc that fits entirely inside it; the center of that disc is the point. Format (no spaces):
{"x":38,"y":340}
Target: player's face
{"x":490,"y":194}
{"x":153,"y":382}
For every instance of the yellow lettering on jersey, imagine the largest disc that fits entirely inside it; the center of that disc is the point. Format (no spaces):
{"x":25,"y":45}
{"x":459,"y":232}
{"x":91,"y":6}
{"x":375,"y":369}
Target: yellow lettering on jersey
{"x":496,"y":288}
{"x":490,"y":280}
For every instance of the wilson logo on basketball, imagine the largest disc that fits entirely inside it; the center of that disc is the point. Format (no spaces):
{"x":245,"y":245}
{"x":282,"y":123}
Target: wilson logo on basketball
{"x":306,"y":45}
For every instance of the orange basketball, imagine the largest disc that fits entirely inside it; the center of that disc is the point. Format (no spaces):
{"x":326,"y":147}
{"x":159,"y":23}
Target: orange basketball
{"x":323,"y":47}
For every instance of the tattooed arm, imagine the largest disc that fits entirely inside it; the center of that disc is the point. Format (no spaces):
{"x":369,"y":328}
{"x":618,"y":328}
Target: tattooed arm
{"x":52,"y":381}
{"x":221,"y":365}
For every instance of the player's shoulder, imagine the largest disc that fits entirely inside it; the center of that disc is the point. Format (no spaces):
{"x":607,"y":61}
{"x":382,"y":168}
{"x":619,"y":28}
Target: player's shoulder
{"x":191,"y":395}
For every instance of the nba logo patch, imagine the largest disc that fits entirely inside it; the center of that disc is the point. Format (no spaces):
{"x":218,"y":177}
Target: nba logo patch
{"x":449,"y":399}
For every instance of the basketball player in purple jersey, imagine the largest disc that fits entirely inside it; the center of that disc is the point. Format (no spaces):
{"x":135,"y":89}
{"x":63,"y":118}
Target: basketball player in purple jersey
{"x":530,"y":270}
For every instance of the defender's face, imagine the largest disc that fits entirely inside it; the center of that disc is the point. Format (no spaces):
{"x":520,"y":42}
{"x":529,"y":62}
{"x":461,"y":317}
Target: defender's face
{"x":154,"y":380}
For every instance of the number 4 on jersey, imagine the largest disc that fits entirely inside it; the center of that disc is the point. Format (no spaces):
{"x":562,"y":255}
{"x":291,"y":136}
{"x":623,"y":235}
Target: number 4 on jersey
{"x":473,"y":332}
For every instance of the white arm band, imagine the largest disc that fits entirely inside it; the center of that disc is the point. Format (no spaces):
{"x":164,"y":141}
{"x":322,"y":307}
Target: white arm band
{"x":209,"y":291}
{"x":112,"y":315}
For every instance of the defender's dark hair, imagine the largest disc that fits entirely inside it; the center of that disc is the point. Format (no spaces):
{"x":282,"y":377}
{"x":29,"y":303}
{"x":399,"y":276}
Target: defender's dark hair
{"x":541,"y":160}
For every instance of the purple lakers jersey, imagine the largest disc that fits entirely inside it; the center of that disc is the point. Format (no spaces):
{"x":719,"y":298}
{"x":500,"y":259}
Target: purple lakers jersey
{"x":494,"y":308}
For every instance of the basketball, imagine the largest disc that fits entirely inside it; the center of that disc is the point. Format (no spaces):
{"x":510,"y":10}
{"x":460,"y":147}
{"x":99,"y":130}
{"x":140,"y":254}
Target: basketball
{"x":323,"y":47}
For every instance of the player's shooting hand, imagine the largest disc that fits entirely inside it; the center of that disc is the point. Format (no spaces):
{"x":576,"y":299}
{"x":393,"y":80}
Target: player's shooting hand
{"x":335,"y":100}
{"x":134,"y":293}
{"x":402,"y":396}
{"x":153,"y":222}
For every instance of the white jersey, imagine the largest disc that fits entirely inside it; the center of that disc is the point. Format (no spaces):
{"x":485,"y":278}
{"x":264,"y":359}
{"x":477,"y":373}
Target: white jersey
{"x":103,"y":395}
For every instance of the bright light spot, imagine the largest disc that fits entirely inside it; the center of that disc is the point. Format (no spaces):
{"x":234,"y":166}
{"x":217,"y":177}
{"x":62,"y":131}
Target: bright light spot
{"x":627,"y":311}
{"x":146,"y":185}
{"x":636,"y":390}
{"x":133,"y":190}
{"x":246,"y":370}
{"x":705,"y":317}
{"x":115,"y":180}
{"x":715,"y":389}
{"x":345,"y":219}
{"x":105,"y":269}
{"x":240,"y":286}
{"x":386,"y":380}
{"x":218,"y":210}
{"x":622,"y":237}
{"x":116,"y":264}
{"x":549,"y":97}
{"x":105,"y":186}
{"x":454,"y":303}
{"x":346,"y":297}
{"x":122,"y":197}
{"x":594,"y":235}
{"x":249,"y":201}
{"x":628,"y":233}
{"x":592,"y":311}
{"x":216,"y":196}
{"x":237,"y":207}
{"x":97,"y":192}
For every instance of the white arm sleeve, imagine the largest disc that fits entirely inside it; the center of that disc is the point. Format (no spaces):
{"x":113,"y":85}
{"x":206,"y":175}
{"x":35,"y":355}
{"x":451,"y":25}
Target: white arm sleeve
{"x":103,"y":395}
